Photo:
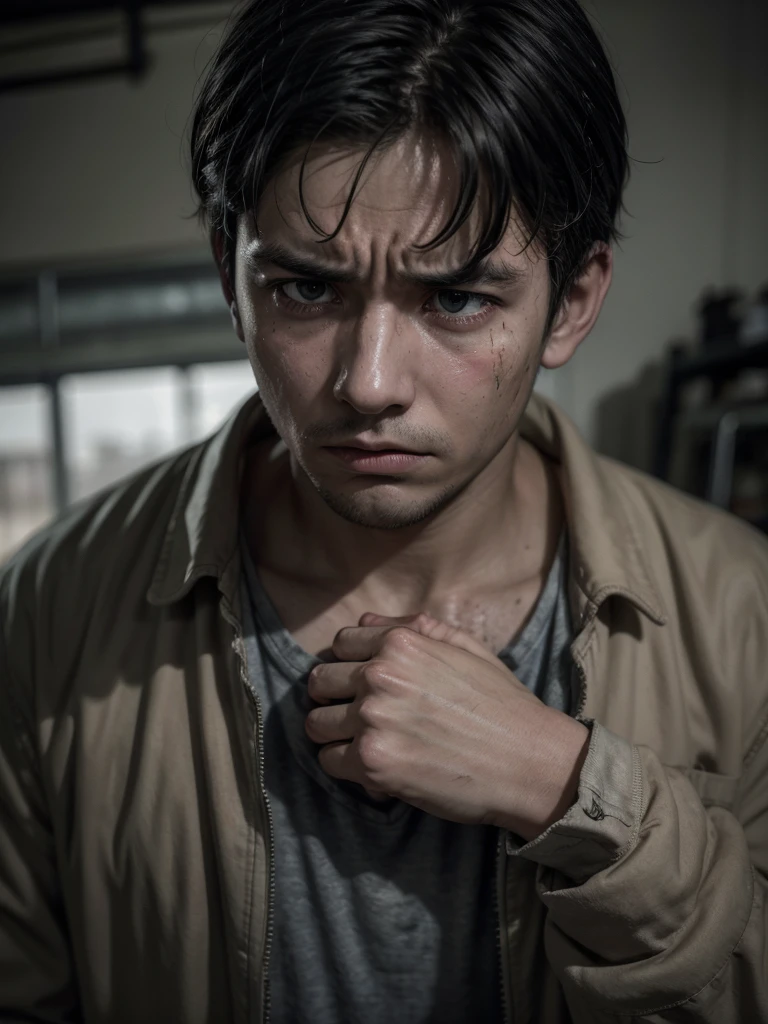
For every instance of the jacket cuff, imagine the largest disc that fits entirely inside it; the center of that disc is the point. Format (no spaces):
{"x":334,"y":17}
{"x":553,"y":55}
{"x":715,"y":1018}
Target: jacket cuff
{"x":603,"y":823}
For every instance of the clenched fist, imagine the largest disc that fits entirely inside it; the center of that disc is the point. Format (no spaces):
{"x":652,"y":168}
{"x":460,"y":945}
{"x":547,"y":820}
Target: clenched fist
{"x":434,"y":719}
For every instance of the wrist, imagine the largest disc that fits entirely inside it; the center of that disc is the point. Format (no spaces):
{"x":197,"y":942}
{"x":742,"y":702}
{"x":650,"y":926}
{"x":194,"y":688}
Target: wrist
{"x":550,"y":781}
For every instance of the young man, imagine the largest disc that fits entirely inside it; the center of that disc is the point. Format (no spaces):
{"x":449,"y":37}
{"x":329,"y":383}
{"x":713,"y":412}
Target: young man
{"x":392,"y":701}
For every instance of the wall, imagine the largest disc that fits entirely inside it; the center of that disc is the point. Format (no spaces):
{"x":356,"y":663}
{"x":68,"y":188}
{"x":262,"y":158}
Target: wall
{"x":694,"y":81}
{"x":99,"y":170}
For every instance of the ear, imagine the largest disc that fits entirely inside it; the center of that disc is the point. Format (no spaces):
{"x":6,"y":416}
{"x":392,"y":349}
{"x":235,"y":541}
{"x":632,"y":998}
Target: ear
{"x":218,"y":244}
{"x":580,"y":308}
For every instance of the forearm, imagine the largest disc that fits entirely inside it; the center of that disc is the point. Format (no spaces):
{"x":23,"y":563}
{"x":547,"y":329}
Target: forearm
{"x":653,"y":902}
{"x":546,"y":784}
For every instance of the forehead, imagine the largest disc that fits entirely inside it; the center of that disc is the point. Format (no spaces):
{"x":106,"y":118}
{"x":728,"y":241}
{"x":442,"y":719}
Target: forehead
{"x":404,"y":197}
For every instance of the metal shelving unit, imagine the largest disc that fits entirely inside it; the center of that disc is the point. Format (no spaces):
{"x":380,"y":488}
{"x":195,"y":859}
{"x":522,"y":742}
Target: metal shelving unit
{"x":722,"y":422}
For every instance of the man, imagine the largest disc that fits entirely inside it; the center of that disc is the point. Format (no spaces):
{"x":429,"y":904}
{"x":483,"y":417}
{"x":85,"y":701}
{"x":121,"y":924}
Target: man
{"x":392,"y":701}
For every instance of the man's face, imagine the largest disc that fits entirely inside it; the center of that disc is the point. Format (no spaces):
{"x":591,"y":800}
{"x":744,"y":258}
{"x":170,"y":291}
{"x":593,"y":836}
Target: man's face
{"x":382,"y":359}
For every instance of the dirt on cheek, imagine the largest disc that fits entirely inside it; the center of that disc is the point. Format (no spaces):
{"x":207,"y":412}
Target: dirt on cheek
{"x":504,"y":363}
{"x":498,"y":361}
{"x":499,"y":350}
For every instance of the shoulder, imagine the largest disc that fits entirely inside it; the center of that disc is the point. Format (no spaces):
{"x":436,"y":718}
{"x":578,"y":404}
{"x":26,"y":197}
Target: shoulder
{"x":686,"y":532}
{"x":710,"y":570}
{"x":687,"y":582}
{"x":107,"y":544}
{"x":670,"y":527}
{"x":98,"y":527}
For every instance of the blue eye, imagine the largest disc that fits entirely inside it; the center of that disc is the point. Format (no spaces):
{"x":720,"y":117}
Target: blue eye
{"x":455,"y":302}
{"x":460,"y":308}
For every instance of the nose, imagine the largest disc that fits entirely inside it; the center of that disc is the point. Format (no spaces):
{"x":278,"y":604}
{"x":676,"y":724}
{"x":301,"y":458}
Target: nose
{"x":374,"y":364}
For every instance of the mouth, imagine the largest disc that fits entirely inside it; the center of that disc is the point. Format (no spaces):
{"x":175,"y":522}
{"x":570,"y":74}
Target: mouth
{"x":376,"y":459}
{"x":378,"y":446}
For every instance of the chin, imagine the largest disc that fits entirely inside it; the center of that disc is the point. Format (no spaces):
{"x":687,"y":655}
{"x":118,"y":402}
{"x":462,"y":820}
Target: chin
{"x":385,"y":512}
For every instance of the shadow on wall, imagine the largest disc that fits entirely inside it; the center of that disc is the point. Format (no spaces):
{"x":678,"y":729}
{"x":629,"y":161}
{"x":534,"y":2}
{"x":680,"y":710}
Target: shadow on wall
{"x":627,"y":418}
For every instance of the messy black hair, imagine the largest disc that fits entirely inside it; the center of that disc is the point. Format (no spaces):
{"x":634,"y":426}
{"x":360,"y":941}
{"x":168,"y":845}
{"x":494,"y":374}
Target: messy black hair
{"x":521,"y":90}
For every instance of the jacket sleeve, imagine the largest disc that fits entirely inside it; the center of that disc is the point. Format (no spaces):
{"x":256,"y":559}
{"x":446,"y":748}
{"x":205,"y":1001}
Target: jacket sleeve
{"x":657,"y":906}
{"x":37,"y":981}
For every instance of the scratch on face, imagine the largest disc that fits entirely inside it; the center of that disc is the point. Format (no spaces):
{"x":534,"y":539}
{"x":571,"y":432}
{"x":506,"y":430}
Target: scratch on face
{"x":497,"y":367}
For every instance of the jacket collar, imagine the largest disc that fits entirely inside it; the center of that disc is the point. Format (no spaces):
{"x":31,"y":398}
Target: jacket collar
{"x":604,"y":527}
{"x":202,"y":534}
{"x":606,"y":555}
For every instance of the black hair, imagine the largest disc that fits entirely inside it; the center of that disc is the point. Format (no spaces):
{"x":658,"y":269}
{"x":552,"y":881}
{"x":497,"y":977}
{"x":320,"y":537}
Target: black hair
{"x":521,"y":90}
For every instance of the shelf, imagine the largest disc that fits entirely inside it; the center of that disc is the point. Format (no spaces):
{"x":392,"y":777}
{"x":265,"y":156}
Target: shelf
{"x":731,"y":358}
{"x":716,"y":363}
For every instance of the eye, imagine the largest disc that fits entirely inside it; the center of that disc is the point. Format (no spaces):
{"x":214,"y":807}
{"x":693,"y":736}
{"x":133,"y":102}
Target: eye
{"x":454,"y":307}
{"x":458,"y":303}
{"x":305,"y":291}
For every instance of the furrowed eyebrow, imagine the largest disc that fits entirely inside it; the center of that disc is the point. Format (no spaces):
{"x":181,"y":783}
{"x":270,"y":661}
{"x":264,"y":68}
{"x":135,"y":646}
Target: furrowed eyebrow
{"x":306,"y":266}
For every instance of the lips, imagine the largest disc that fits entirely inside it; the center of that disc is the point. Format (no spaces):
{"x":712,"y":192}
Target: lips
{"x":379,"y":461}
{"x":377,"y":446}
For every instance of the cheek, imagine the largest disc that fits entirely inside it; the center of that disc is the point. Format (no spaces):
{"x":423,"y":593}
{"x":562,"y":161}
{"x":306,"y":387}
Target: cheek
{"x":290,"y":370}
{"x":494,"y":381}
{"x":498,"y":370}
{"x":513,"y":369}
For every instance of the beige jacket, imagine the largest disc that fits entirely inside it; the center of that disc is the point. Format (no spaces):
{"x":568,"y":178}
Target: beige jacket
{"x":135,"y":849}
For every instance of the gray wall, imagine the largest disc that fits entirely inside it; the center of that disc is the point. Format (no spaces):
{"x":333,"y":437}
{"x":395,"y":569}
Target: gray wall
{"x":98,"y":170}
{"x":694,"y":78}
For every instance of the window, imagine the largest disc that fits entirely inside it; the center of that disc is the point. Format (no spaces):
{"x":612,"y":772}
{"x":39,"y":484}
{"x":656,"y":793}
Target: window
{"x":116,"y":422}
{"x":26,"y":499}
{"x":113,"y":423}
{"x":101,"y":333}
{"x":216,"y":388}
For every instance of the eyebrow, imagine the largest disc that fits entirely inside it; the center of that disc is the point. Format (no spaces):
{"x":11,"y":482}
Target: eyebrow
{"x":488,"y":272}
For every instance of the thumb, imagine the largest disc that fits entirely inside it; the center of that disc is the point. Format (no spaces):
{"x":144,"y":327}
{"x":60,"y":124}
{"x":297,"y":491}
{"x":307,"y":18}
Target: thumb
{"x":433,"y":628}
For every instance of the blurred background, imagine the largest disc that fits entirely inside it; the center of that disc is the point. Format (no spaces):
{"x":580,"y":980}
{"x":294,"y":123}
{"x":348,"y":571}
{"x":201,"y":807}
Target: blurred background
{"x":115,"y":343}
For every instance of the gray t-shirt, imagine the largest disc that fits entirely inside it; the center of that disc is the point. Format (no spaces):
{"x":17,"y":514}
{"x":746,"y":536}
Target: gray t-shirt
{"x":382,"y":912}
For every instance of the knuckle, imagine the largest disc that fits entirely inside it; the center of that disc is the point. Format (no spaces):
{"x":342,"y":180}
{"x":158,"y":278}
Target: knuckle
{"x":399,"y":639}
{"x":371,"y":712}
{"x":374,"y":673}
{"x":373,"y":752}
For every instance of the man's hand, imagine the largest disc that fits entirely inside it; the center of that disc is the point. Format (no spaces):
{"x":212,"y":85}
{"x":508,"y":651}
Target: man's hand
{"x":433,"y":718}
